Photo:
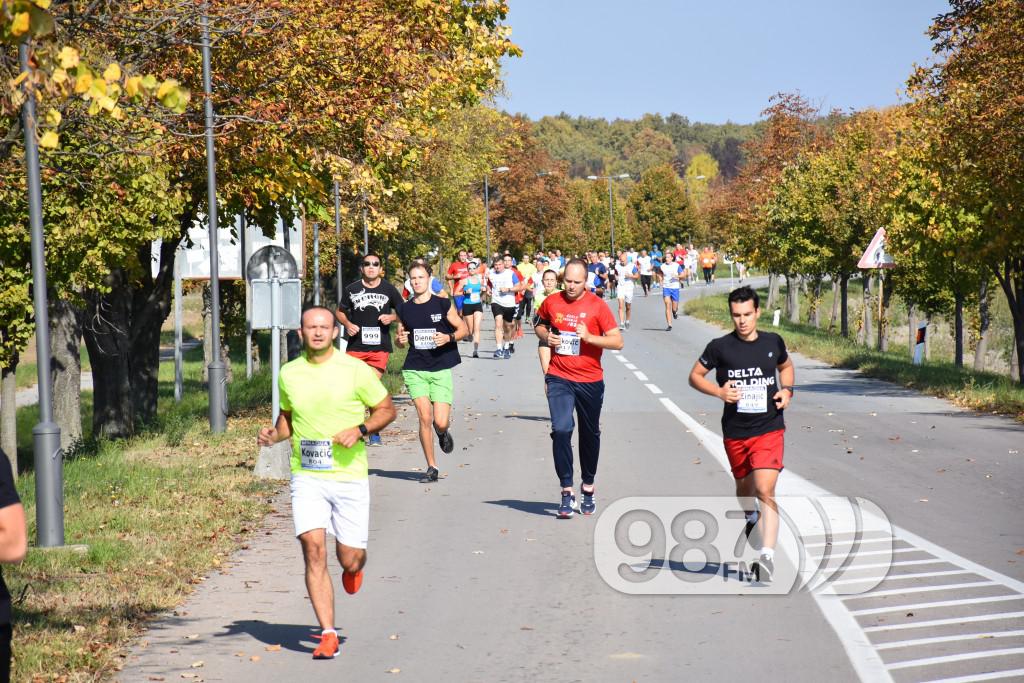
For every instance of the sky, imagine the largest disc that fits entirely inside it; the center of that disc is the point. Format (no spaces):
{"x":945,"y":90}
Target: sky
{"x":710,"y":61}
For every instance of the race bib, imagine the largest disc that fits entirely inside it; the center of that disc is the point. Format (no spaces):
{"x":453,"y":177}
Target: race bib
{"x":316,"y":455}
{"x":568,"y":344}
{"x":474,"y":296}
{"x":753,"y":399}
{"x":370,"y":335}
{"x":423,"y":338}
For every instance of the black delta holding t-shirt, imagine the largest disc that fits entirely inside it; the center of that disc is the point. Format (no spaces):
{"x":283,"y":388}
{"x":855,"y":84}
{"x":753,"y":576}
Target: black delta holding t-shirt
{"x":422,"y":321}
{"x":751,"y":366}
{"x":363,"y":306}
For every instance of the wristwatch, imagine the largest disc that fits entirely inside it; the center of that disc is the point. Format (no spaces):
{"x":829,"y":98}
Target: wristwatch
{"x":790,"y":389}
{"x":363,"y":430}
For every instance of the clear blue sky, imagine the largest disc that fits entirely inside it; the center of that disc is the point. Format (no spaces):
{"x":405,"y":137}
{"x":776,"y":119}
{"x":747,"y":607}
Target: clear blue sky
{"x":710,"y":61}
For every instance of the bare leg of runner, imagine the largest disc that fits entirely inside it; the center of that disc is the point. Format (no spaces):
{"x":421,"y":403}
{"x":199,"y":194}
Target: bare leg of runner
{"x":426,"y":432}
{"x":318,"y":579}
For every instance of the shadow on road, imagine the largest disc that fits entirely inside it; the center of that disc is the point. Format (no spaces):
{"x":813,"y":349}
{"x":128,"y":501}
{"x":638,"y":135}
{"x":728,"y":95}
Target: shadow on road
{"x":288,"y":636}
{"x":396,"y":474}
{"x":543,"y":508}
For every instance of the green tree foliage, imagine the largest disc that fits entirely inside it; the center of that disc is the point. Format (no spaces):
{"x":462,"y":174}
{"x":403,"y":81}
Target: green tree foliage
{"x":659,"y":209}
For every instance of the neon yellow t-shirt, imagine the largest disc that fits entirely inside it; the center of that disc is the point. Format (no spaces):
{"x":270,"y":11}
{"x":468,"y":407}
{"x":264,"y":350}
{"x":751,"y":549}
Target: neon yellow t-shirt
{"x":527,"y":269}
{"x":323,"y":399}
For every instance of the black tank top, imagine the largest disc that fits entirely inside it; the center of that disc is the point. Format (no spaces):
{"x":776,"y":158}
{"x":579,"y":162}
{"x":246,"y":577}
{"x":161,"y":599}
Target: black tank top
{"x":422,"y":320}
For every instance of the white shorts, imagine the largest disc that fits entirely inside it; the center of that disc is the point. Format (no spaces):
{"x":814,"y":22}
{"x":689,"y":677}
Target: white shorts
{"x":340,"y":507}
{"x":626,"y":292}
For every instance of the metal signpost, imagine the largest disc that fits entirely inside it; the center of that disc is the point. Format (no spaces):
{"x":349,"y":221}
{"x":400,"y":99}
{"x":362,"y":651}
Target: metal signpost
{"x":875,"y":257}
{"x":277,"y":304}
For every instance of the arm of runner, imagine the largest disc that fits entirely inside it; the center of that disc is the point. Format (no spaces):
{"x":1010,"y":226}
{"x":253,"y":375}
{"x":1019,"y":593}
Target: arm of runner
{"x":381,"y":415}
{"x":402,"y":336}
{"x":787,"y":377}
{"x":394,"y":299}
{"x":611,"y":339}
{"x":349,"y":326}
{"x":699,"y":381}
{"x":456,"y":321}
{"x":268,"y":436}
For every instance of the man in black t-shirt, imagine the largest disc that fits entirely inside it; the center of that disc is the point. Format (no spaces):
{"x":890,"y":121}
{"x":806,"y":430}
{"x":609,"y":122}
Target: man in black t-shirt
{"x":745,"y":362}
{"x":368,"y":308}
{"x":13,"y":546}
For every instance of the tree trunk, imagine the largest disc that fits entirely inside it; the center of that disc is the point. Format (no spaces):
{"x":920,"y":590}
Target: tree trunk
{"x":793,"y":298}
{"x":958,"y":329}
{"x":122,"y":334}
{"x":66,"y":370}
{"x":844,"y":305}
{"x":835,"y":304}
{"x":1015,"y":361}
{"x":883,"y":320}
{"x":815,"y":310}
{"x":9,"y":416}
{"x":773,"y":291}
{"x":984,"y":323}
{"x":866,"y":328}
{"x":1010,"y":274}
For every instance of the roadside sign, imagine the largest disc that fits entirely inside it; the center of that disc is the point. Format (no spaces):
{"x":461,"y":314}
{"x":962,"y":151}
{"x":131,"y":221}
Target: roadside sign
{"x":875,"y":255}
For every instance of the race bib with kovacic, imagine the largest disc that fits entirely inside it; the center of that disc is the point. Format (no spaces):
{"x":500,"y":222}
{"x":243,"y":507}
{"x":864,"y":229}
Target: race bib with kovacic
{"x":568,"y":344}
{"x":370,"y":335}
{"x":316,"y":454}
{"x":423,"y":338}
{"x":753,"y":399}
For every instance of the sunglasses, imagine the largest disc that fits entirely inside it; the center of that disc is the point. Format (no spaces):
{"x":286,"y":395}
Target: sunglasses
{"x":371,"y":264}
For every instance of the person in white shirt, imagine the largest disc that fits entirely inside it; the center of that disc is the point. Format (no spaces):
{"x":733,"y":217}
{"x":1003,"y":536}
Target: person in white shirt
{"x":627,"y":274}
{"x":643,"y":263}
{"x":671,"y":272}
{"x":503,"y":284}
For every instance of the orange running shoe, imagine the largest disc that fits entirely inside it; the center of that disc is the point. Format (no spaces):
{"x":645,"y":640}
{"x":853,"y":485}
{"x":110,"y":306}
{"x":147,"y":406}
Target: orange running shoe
{"x":328,"y":647}
{"x":352,"y":582}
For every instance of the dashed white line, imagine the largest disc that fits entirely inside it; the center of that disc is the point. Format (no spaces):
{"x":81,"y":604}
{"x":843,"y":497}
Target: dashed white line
{"x":893,"y":577}
{"x":948,"y":639}
{"x":640,"y":376}
{"x":622,"y":358}
{"x":654,"y":388}
{"x":630,"y":366}
{"x":921,"y":589}
{"x":942,"y":603}
{"x":944,"y":622}
{"x":988,"y":676}
{"x":945,"y":659}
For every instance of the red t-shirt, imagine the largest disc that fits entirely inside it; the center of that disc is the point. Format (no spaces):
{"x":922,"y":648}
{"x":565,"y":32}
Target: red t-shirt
{"x":519,"y":294}
{"x":563,"y":315}
{"x":680,"y":254}
{"x":458,"y":270}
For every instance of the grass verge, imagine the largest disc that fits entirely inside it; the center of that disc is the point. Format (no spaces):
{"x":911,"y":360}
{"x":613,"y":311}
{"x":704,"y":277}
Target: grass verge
{"x":981,"y":391}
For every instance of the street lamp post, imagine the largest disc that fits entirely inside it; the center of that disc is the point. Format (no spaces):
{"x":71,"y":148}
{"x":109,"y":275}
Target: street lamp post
{"x":542,"y":174}
{"x":611,"y":211}
{"x":487,"y":208}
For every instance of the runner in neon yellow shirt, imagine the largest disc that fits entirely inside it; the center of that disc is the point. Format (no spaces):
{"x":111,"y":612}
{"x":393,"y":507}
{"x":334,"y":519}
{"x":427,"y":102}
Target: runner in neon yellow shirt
{"x":324,"y":396}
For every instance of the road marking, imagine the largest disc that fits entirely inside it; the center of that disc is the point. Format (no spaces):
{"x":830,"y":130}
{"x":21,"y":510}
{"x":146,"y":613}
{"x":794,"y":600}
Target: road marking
{"x":622,"y":358}
{"x":862,"y":653}
{"x":943,"y":603}
{"x":630,"y":366}
{"x":654,"y":388}
{"x":990,"y":676}
{"x":947,"y":639}
{"x":931,"y":661}
{"x":882,"y":565}
{"x":946,"y":622}
{"x":640,"y":376}
{"x":892,"y":577}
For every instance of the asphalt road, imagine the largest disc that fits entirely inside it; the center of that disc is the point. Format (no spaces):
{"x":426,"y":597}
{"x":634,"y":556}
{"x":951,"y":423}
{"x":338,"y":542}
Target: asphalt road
{"x":474,"y":579}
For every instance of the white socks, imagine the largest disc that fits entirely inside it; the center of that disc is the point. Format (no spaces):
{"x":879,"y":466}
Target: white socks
{"x":768,"y":552}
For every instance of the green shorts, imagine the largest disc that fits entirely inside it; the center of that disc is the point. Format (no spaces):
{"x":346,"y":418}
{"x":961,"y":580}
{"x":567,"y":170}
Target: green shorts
{"x":436,"y":385}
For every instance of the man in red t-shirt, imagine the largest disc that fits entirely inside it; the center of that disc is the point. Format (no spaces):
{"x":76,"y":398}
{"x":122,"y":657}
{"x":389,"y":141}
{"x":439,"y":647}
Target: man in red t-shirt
{"x":458,"y":271}
{"x":577,"y":326}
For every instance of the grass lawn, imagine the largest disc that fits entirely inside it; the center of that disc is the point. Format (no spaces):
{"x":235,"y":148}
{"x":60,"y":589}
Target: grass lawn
{"x":988,"y":392}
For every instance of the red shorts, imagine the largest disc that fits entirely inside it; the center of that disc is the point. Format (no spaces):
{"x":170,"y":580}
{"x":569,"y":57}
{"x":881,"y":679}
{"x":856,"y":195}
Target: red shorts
{"x":375,"y":359}
{"x":762,"y":452}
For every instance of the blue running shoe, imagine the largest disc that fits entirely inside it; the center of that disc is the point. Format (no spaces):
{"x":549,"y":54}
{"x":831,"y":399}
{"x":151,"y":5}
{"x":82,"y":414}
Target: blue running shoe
{"x":374,"y":440}
{"x":588,"y":506}
{"x":568,"y":506}
{"x":499,"y":354}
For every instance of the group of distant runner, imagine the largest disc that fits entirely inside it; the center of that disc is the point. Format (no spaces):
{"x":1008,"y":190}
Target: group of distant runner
{"x":334,"y":404}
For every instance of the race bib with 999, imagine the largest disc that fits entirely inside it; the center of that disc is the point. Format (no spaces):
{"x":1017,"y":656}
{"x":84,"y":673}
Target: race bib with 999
{"x":423,"y":338}
{"x":370,"y":335}
{"x":316,"y":454}
{"x":753,"y":399}
{"x":568,"y":344}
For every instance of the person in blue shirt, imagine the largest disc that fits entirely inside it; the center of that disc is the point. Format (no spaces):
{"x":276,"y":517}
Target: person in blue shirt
{"x":597,"y":275}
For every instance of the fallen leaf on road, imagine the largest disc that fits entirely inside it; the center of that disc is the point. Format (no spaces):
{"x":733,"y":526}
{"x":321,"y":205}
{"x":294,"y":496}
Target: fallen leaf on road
{"x":696,"y":461}
{"x":830,"y":413}
{"x":873,"y":414}
{"x":970,"y":459}
{"x":272,"y":648}
{"x":922,"y":500}
{"x":1013,"y":452}
{"x":849,"y":450}
{"x":395,"y":670}
{"x":239,"y":654}
{"x":915,"y":451}
{"x":198,"y":665}
{"x":192,"y":636}
{"x":940,"y":471}
{"x":503,"y":531}
{"x":254,"y":658}
{"x":894,"y":438}
{"x":478,"y":552}
{"x":393,"y":636}
{"x":155,"y":678}
{"x":525,"y":628}
{"x":1021,"y":551}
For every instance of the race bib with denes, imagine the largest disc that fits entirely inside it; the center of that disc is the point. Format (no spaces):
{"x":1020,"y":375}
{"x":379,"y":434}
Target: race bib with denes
{"x":753,"y":399}
{"x":370,"y":335}
{"x":316,"y":454}
{"x":423,"y":338}
{"x":568,"y":344}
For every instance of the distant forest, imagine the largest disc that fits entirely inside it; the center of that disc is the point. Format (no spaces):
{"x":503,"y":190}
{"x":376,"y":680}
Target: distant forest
{"x":595,"y":146}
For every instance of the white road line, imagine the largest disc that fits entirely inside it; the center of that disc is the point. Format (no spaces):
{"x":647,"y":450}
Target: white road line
{"x":921,"y":589}
{"x":622,"y":358}
{"x":881,"y":565}
{"x":630,"y":366}
{"x":860,"y":541}
{"x":892,"y":577}
{"x":896,"y":644}
{"x":818,"y":558}
{"x":931,"y":661}
{"x":640,"y":376}
{"x":942,"y":603}
{"x":990,"y":676}
{"x":654,"y":388}
{"x":945,"y":622}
